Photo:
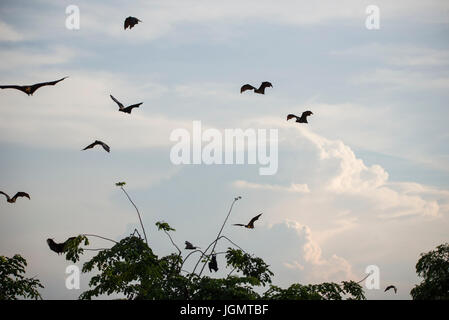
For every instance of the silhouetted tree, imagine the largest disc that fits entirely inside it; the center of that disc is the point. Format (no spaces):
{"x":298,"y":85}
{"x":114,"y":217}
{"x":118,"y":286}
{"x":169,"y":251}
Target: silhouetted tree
{"x":433,"y":267}
{"x":13,"y":283}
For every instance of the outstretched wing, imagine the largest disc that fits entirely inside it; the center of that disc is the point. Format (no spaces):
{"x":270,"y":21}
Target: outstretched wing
{"x":290,"y":116}
{"x":129,"y":108}
{"x":262,"y":87}
{"x":265,"y":84}
{"x":91,"y":145}
{"x":105,"y":146}
{"x":7,"y":197}
{"x":21,"y":88}
{"x":21,"y":194}
{"x":36,"y":86}
{"x":120,"y":105}
{"x":239,"y":224}
{"x":251,"y":223}
{"x":306,"y":113}
{"x":246,"y":87}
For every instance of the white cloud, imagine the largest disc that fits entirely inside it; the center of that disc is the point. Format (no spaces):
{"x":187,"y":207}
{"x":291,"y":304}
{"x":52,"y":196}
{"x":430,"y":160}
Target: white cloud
{"x":399,"y":54}
{"x":294,"y":187}
{"x":392,"y":79}
{"x":8,"y":33}
{"x":12,"y":59}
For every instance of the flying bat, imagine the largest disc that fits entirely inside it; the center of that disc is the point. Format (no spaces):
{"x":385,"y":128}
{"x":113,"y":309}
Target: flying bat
{"x":250,"y":224}
{"x":131,"y":22}
{"x":391,"y":287}
{"x":17,"y":195}
{"x":190,"y":246}
{"x":30,"y":89}
{"x":260,"y":90}
{"x":122,"y":107}
{"x":98,"y":142}
{"x":58,"y":247}
{"x":302,"y":118}
{"x":213,"y":264}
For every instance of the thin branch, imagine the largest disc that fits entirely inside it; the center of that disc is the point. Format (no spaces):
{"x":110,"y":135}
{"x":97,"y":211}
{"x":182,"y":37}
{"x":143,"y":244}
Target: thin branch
{"x":365,"y":277}
{"x":138,"y":213}
{"x":179,"y":250}
{"x":94,"y":235}
{"x":207,"y":256}
{"x":219,"y":233}
{"x":233,"y":243}
{"x":229,"y":274}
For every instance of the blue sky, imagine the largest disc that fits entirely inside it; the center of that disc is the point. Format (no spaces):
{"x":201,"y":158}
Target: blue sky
{"x":374,"y":155}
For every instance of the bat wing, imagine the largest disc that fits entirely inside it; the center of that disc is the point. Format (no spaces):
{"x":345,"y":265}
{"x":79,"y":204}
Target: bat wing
{"x":265,"y":84}
{"x":21,"y":194}
{"x":21,"y":88}
{"x":36,"y":86}
{"x":306,"y":113}
{"x":120,"y":105}
{"x":105,"y":146}
{"x":246,"y":87}
{"x":127,"y":22}
{"x":290,"y":116}
{"x":131,"y":22}
{"x":7,"y":197}
{"x":91,"y":145}
{"x":251,"y":223}
{"x":390,"y":287}
{"x":129,"y":108}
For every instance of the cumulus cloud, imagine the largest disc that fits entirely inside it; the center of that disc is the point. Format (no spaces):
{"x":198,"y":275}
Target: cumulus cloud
{"x":299,"y":188}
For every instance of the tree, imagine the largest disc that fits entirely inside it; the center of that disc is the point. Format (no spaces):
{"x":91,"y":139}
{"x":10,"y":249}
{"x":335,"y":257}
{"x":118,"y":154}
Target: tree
{"x":13,"y":283}
{"x":131,"y":268}
{"x":433,"y":267}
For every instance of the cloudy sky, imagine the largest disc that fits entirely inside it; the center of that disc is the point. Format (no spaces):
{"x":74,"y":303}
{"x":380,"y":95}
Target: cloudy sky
{"x":366,"y":182}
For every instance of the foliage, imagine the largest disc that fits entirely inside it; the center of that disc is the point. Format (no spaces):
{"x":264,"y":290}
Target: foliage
{"x":72,"y":249}
{"x":323,"y":291}
{"x":13,"y":284}
{"x":131,"y":268}
{"x":161,"y":225}
{"x":433,"y":267}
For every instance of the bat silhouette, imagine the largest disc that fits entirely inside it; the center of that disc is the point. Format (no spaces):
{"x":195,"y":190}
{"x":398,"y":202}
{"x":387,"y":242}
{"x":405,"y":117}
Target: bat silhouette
{"x":30,"y":89}
{"x":302,"y":118}
{"x":58,"y":247}
{"x":122,"y":107}
{"x":213,"y":264}
{"x":131,"y":22}
{"x":260,"y":90}
{"x":391,"y":287}
{"x":17,"y":195}
{"x":190,"y":246}
{"x":98,"y":142}
{"x":250,"y":224}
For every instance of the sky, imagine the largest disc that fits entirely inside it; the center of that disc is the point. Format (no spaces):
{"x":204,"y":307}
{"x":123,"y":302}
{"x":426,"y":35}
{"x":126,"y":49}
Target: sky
{"x":365,"y":182}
